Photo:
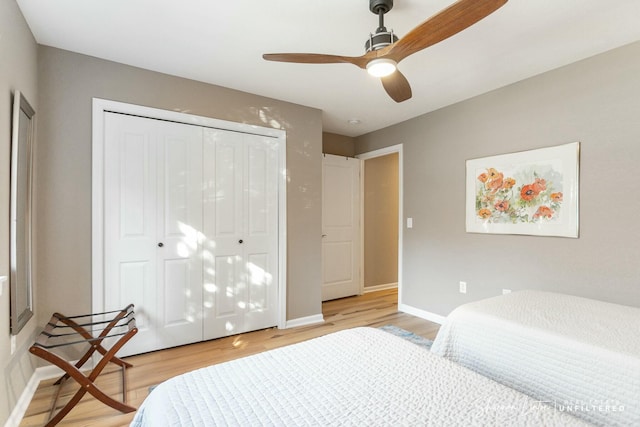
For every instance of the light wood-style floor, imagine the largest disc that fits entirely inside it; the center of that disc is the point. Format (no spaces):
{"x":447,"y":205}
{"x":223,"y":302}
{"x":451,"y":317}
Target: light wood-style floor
{"x":372,"y":309}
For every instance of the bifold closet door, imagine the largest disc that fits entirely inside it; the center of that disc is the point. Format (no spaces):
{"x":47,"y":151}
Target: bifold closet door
{"x":240,"y":249}
{"x":153,"y":227}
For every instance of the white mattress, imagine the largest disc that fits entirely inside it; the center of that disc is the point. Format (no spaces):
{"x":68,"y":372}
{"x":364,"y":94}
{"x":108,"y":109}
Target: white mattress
{"x":362,"y":376}
{"x":578,"y":354}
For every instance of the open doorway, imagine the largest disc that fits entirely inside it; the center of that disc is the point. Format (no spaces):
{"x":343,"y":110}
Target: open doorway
{"x":381,"y":222}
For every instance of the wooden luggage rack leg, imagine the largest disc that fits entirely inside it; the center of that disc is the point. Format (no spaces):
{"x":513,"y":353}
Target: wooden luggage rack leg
{"x":46,"y":341}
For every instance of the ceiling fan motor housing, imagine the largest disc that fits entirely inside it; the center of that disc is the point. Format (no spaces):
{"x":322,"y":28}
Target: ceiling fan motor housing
{"x":382,"y":37}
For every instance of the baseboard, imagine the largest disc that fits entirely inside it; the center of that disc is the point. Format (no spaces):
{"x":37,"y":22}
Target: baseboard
{"x":23,"y":402}
{"x":423,"y":314}
{"x":40,"y":374}
{"x":304,"y":321}
{"x":382,"y":287}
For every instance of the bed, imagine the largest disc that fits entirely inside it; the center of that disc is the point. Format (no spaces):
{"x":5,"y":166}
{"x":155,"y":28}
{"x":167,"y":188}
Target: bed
{"x":580,"y":355}
{"x":360,"y":376}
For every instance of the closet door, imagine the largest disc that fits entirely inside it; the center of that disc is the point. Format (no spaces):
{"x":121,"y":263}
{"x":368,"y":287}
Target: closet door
{"x":179,"y":213}
{"x":240,"y":249}
{"x":152,"y":228}
{"x":261,"y":231}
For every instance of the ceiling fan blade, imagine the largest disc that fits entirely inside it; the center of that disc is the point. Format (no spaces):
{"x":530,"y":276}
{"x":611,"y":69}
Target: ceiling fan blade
{"x":441,"y":26}
{"x":317,"y":58}
{"x":397,"y":86}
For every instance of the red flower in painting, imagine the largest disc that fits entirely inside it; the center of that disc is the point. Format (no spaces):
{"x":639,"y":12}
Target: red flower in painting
{"x":539,"y":185}
{"x":543,"y":212}
{"x":494,"y":181}
{"x":483,"y":177}
{"x":556,"y":197}
{"x":494,"y":184}
{"x":502,"y":205}
{"x":528,"y":192}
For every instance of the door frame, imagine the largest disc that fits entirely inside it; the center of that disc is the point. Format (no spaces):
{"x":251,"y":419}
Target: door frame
{"x":102,"y":106}
{"x":372,"y":155}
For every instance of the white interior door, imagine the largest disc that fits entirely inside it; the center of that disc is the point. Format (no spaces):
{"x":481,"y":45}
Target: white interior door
{"x":240,"y":232}
{"x":261,"y":232}
{"x":152,"y":223}
{"x":341,"y":249}
{"x":179,"y":229}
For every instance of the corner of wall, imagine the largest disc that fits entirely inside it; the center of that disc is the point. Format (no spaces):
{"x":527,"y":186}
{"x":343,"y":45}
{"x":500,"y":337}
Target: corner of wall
{"x":18,"y":72}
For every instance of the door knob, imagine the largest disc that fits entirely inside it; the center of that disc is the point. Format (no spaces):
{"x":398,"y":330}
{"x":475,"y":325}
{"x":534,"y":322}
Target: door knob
{"x":160,"y":244}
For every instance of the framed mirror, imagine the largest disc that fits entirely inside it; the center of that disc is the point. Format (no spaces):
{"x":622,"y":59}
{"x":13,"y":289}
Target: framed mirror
{"x":21,"y":190}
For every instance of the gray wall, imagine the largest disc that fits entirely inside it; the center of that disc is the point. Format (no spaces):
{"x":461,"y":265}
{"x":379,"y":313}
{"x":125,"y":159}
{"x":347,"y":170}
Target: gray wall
{"x":67,"y":82}
{"x":340,"y":145}
{"x":18,"y":65}
{"x":595,"y":101}
{"x":381,"y":220}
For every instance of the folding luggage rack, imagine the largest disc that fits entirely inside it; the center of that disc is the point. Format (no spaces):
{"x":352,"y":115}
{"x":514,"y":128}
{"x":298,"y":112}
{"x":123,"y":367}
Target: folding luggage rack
{"x":62,"y":331}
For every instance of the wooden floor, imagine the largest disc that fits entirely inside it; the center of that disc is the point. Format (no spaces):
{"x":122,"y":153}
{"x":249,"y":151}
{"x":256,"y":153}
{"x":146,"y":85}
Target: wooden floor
{"x":372,"y":309}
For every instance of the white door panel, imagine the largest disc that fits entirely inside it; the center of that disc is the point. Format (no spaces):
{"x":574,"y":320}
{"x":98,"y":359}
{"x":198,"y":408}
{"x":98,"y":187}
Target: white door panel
{"x":130,"y":264}
{"x":339,"y":265}
{"x":261,"y":246}
{"x":223,"y":224}
{"x":240,"y":227}
{"x":179,"y":213}
{"x":341,"y":227}
{"x":134,"y":289}
{"x":152,"y":197}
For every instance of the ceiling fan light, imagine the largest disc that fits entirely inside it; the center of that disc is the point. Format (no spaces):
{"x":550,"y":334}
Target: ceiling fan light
{"x":381,"y":67}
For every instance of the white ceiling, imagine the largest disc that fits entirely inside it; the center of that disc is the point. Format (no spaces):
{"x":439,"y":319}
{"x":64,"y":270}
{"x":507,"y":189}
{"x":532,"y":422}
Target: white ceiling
{"x":222,"y":42}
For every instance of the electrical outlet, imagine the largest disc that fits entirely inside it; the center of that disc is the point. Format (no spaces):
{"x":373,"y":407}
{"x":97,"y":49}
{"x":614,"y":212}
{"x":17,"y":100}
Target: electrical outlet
{"x":506,"y":291}
{"x":463,"y":287}
{"x":409,"y":222}
{"x":13,"y":344}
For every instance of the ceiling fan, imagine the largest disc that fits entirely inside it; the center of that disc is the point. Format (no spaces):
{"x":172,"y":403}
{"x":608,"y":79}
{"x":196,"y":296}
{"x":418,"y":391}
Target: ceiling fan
{"x":384,"y":51}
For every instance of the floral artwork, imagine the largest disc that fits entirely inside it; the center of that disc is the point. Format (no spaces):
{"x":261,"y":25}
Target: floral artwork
{"x":531,"y":197}
{"x":524,"y":193}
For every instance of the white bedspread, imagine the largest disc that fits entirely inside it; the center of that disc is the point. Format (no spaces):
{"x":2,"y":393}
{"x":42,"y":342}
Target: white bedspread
{"x":357,"y":377}
{"x":580,"y":355}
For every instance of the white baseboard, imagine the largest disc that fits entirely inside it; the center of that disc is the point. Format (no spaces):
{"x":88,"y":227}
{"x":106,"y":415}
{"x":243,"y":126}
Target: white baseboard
{"x":23,"y":402}
{"x":304,"y":321}
{"x":423,"y":314}
{"x":40,"y":374}
{"x":382,"y":287}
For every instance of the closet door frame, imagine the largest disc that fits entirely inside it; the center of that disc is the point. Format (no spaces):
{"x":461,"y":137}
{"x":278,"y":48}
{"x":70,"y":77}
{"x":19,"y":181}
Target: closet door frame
{"x":102,"y":106}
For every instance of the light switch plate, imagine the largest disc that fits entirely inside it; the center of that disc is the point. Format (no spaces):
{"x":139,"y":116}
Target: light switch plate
{"x":2,"y":280}
{"x":463,"y":287}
